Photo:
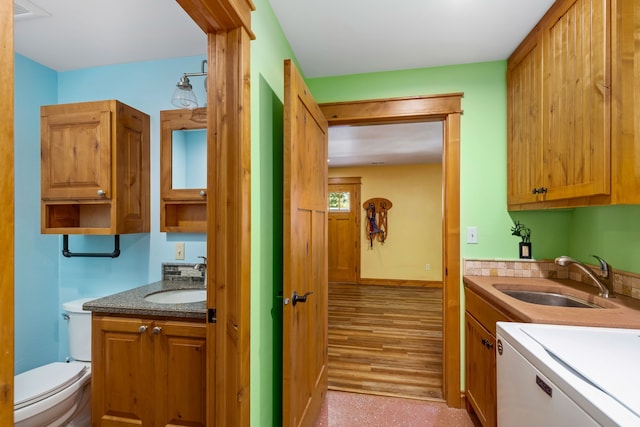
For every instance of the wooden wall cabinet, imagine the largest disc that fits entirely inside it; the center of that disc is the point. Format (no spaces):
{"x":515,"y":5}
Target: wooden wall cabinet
{"x":94,"y":169}
{"x":149,"y":372}
{"x":558,"y":84}
{"x":183,"y":198}
{"x":480,"y":353}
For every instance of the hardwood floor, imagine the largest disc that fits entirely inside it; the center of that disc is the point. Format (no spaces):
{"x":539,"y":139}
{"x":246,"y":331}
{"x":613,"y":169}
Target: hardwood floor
{"x":386,"y":340}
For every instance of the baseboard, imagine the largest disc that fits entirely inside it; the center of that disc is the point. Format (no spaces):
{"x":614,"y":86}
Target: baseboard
{"x":401,"y":282}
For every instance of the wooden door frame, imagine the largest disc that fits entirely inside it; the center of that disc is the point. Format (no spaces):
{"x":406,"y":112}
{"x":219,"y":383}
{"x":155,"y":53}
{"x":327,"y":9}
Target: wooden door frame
{"x":353,"y":181}
{"x":446,"y":108}
{"x":227,"y":24}
{"x":7,"y":224}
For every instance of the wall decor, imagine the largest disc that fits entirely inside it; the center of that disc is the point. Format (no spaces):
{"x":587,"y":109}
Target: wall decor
{"x":376,"y":226}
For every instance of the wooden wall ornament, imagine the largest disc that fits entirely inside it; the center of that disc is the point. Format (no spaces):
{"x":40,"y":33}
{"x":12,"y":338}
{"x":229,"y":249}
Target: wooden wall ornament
{"x":376,"y":226}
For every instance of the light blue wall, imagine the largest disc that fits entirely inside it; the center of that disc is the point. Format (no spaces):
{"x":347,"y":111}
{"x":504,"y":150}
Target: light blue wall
{"x":37,"y":313}
{"x":42,"y":273}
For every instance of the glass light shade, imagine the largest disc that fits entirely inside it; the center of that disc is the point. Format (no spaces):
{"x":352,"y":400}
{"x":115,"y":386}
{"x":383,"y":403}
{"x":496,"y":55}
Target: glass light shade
{"x":184,"y":98}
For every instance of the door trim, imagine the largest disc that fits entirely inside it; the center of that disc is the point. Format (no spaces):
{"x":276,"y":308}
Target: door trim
{"x":446,"y":107}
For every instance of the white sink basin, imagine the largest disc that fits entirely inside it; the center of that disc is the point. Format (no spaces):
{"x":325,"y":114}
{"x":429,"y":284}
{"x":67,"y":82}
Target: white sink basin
{"x":177,"y":296}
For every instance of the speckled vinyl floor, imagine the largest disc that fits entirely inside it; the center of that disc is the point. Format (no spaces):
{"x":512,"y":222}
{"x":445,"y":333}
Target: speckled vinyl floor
{"x":342,"y":409}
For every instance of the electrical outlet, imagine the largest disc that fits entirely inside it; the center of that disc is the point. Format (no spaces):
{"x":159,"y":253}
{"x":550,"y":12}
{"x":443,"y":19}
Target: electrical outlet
{"x":427,"y":267}
{"x":180,"y":250}
{"x":472,"y":235}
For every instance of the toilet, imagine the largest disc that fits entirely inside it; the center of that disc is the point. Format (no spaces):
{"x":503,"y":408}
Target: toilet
{"x":59,"y":394}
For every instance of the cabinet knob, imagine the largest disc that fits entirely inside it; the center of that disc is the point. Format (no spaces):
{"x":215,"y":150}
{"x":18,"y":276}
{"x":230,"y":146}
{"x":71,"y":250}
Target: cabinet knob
{"x":142,"y":329}
{"x":101,"y":192}
{"x":203,"y":193}
{"x":157,"y":330}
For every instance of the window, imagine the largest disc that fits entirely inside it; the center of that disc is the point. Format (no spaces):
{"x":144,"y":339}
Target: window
{"x":339,"y":201}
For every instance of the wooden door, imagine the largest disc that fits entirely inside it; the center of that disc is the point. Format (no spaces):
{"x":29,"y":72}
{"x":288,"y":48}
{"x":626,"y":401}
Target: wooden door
{"x":524,"y":123}
{"x":305,"y":338}
{"x":7,"y":232}
{"x":577,"y":100}
{"x":344,"y":230}
{"x":481,"y":371}
{"x":122,"y":375}
{"x":180,"y":367}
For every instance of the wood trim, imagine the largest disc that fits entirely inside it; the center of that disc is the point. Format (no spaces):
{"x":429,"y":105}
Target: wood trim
{"x":229,"y":228}
{"x":345,"y":180}
{"x":219,"y":16}
{"x":399,"y":282}
{"x":7,"y":212}
{"x":394,"y":110}
{"x":445,"y":107}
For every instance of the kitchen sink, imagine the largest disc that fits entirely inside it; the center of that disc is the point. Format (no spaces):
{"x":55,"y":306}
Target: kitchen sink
{"x":548,"y":298}
{"x":177,"y":296}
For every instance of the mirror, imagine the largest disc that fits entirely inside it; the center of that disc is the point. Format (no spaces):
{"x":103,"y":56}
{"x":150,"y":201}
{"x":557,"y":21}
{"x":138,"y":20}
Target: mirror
{"x":183,"y":152}
{"x":189,"y":158}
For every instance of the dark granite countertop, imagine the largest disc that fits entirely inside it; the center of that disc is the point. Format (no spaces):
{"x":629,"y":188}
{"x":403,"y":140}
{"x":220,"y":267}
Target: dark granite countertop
{"x":132,"y":302}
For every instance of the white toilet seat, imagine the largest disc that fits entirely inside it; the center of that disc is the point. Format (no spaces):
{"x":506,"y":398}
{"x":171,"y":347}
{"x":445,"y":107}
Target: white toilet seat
{"x":44,"y":381}
{"x":49,"y":392}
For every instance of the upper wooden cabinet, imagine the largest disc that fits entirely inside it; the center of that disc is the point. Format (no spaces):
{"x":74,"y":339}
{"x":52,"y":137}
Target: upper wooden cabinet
{"x":183,"y":164}
{"x":94,"y":169}
{"x":559,"y":109}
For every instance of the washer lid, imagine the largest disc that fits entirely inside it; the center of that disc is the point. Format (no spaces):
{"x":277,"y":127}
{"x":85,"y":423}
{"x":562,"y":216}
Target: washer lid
{"x":44,"y":381}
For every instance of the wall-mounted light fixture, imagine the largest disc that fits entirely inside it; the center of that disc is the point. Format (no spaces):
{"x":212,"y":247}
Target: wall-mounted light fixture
{"x":183,"y":96}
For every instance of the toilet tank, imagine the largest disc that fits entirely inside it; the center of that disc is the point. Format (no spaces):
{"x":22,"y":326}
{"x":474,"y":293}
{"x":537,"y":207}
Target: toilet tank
{"x":79,"y":324}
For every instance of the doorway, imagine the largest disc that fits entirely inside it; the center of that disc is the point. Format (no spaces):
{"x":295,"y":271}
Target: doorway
{"x":385,"y":333}
{"x":446,"y":108}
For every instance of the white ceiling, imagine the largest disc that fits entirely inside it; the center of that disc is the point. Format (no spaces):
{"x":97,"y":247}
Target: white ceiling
{"x":329,"y":37}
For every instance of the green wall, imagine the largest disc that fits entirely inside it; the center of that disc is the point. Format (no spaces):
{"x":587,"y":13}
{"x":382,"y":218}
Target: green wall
{"x":611,"y":232}
{"x":483,"y":150}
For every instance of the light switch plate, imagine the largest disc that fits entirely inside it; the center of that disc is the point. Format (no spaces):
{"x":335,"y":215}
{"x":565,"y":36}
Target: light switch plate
{"x":180,"y":250}
{"x":472,"y":235}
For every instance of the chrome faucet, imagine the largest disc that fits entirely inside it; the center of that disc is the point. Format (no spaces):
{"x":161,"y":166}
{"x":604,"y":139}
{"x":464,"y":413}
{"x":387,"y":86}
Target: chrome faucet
{"x":603,"y":281}
{"x":202,"y":266}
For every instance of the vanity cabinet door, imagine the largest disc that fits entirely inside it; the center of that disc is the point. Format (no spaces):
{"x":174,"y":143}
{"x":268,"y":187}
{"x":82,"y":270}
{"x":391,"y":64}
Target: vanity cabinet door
{"x":148,"y":372}
{"x":180,"y":373}
{"x":121,"y":374}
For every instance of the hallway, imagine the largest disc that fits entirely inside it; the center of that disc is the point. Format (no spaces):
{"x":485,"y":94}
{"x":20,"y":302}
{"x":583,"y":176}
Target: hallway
{"x":386,"y":340}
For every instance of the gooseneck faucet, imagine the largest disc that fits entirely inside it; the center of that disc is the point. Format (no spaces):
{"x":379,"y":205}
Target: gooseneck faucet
{"x":603,"y":281}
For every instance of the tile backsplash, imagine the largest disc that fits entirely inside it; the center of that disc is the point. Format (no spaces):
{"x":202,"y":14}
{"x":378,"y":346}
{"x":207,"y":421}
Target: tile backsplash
{"x":624,"y":283}
{"x":181,"y":272}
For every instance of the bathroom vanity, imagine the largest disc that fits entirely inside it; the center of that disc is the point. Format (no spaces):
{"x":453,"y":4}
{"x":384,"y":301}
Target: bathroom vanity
{"x":149,"y":358}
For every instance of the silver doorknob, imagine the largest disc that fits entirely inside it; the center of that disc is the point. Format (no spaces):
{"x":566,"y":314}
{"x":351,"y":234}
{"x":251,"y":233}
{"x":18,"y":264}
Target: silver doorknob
{"x":101,"y":192}
{"x":142,"y":329}
{"x":157,"y":330}
{"x":203,"y":193}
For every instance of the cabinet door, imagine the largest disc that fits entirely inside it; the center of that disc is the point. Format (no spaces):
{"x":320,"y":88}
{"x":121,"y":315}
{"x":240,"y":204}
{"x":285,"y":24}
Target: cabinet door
{"x":577,"y":100}
{"x":122,"y":377}
{"x":180,"y":366}
{"x":524,"y":122}
{"x":76,"y":153}
{"x":481,"y":371}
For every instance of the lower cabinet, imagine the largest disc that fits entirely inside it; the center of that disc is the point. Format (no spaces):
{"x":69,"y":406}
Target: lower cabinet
{"x":480,"y":356}
{"x":148,"y":372}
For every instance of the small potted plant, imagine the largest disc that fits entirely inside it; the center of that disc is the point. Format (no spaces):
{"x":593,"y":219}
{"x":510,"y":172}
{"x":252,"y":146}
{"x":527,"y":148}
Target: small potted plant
{"x":524,"y":233}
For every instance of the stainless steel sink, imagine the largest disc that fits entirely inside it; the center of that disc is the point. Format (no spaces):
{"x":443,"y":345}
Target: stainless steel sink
{"x":548,"y":298}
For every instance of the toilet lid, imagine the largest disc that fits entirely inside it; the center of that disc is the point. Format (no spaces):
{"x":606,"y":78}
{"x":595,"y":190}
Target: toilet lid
{"x":43,"y":381}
